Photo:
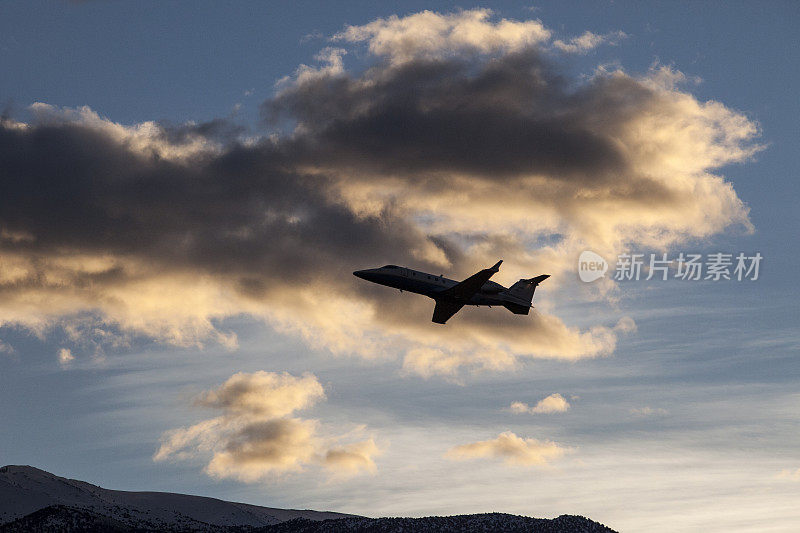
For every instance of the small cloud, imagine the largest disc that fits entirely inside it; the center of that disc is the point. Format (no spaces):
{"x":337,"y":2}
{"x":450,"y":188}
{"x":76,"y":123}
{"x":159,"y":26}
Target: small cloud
{"x":512,"y":449}
{"x":555,"y":403}
{"x":268,"y":394}
{"x":429,"y":362}
{"x":313,"y":36}
{"x":262,"y":448}
{"x":625,"y":325}
{"x":587,"y":41}
{"x":519,"y":407}
{"x":65,"y":357}
{"x":648,"y":411}
{"x":333,"y":65}
{"x":352,"y":458}
{"x":431,"y":35}
{"x":793,"y":475}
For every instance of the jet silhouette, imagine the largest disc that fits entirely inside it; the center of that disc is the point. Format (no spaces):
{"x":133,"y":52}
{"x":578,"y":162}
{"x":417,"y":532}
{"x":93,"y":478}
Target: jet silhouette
{"x":451,"y":295}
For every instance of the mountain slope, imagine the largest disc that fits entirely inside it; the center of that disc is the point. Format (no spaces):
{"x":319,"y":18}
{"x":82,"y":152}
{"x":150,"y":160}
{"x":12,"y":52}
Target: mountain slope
{"x":25,"y":489}
{"x":59,"y":518}
{"x":32,"y":500}
{"x":491,"y":522}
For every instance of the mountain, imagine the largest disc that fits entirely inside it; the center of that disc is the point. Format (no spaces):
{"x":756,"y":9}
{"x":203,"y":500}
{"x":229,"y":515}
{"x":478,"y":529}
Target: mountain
{"x":32,"y":500}
{"x":492,"y":522}
{"x":25,"y":489}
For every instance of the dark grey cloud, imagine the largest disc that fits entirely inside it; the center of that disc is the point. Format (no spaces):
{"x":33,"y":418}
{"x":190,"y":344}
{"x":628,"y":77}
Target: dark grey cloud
{"x":251,"y":211}
{"x":244,"y":212}
{"x":509,"y":116}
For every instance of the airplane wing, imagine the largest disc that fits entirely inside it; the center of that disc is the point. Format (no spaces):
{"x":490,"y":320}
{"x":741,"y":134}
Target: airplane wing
{"x":467,"y":288}
{"x":444,"y":310}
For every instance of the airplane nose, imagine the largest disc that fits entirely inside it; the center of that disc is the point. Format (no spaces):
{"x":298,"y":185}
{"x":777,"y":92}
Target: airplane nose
{"x":368,"y":274}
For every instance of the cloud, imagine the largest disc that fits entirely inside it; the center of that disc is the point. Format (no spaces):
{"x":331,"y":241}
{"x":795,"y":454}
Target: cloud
{"x":445,"y":153}
{"x":263,"y":448}
{"x":427,"y":35}
{"x":266,"y":394}
{"x":791,"y":474}
{"x":512,"y":449}
{"x":588,"y":41}
{"x":333,"y":65}
{"x":353,"y":457}
{"x":648,"y":411}
{"x":255,"y":440}
{"x":555,"y":403}
{"x":65,"y":357}
{"x":427,"y":362}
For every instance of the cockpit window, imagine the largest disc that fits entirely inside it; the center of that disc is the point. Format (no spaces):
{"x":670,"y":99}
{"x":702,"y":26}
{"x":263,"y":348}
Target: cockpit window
{"x":391,"y":266}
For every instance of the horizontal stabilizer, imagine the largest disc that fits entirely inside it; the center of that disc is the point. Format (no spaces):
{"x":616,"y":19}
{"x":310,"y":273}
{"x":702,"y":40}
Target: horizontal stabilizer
{"x":523,"y":292}
{"x":538,"y":279}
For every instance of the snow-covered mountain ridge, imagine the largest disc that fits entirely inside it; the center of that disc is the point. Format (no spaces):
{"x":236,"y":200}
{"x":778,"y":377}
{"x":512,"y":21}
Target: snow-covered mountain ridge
{"x":25,"y":489}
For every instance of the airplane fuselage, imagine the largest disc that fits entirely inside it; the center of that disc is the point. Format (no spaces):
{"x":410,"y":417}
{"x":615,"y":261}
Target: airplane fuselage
{"x":407,"y":279}
{"x":451,"y":295}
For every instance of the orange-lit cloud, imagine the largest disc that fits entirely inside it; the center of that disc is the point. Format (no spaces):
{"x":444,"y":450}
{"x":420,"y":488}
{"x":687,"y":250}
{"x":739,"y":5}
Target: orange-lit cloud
{"x":791,"y":474}
{"x":512,"y":449}
{"x":352,"y":458}
{"x":65,"y":357}
{"x":587,"y":41}
{"x":555,"y":403}
{"x":255,"y":439}
{"x":264,"y":394}
{"x":428,"y":35}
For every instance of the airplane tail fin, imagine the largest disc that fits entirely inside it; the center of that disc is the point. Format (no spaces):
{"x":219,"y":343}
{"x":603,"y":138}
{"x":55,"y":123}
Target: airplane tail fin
{"x":523,"y":292}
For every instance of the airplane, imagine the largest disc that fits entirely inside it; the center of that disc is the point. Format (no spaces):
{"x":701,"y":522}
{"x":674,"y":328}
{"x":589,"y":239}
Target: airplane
{"x":451,"y":295}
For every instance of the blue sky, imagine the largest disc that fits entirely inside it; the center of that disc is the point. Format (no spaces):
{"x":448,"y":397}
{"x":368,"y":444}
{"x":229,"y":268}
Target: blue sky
{"x":691,"y":418}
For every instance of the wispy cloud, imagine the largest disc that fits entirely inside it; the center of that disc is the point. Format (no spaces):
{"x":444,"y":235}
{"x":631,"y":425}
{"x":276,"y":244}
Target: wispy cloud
{"x":792,"y":474}
{"x":648,"y":411}
{"x":588,"y":41}
{"x":6,"y":348}
{"x":555,"y":403}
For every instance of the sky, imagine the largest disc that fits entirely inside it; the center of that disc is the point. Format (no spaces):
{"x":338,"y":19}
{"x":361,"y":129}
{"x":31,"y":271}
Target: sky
{"x":188,"y":186}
